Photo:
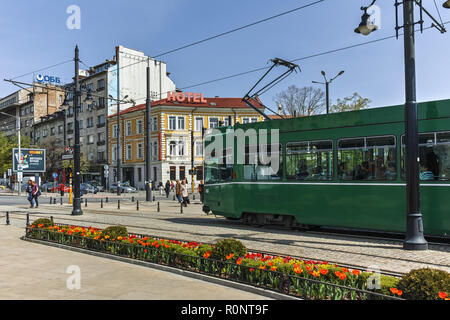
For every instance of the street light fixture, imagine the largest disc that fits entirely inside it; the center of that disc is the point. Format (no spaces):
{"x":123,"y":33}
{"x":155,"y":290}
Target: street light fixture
{"x":366,"y":26}
{"x":446,"y":4}
{"x":327,"y":85}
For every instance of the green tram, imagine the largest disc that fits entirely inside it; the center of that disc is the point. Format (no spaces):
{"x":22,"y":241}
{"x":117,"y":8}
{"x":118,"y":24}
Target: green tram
{"x":341,"y":170}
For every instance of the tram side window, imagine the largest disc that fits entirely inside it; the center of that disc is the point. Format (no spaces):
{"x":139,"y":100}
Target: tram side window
{"x":211,"y":168}
{"x":263,"y":164}
{"x":309,"y":160}
{"x":434,"y":156}
{"x":226,"y":168}
{"x":372,"y":158}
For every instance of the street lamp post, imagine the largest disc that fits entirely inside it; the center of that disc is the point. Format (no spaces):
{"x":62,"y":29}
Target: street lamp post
{"x":148,"y":133}
{"x":414,"y":239}
{"x":77,"y":176}
{"x":327,"y":87}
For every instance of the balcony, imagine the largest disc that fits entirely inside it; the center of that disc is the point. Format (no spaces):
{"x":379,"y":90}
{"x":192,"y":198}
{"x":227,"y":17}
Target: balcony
{"x":101,"y":143}
{"x":69,"y":131}
{"x":100,"y":125}
{"x":101,"y":106}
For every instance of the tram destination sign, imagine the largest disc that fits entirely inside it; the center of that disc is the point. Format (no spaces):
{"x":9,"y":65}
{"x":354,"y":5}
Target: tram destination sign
{"x":29,"y":160}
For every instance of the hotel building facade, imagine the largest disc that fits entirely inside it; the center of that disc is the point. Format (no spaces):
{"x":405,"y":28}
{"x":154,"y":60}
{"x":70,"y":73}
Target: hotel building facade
{"x":176,"y":136}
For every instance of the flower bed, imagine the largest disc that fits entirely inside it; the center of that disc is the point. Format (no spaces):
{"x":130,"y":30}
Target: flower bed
{"x":297,"y":277}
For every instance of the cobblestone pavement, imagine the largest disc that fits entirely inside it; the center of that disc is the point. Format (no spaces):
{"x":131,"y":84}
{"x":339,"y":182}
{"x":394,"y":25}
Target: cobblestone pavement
{"x":30,"y":271}
{"x":194,"y":225}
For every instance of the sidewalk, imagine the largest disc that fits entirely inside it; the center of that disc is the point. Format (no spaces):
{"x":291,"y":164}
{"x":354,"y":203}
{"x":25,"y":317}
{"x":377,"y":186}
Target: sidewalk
{"x":33,"y":271}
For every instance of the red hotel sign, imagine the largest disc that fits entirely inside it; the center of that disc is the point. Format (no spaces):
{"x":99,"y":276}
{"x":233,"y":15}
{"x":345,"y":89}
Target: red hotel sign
{"x":186,"y":97}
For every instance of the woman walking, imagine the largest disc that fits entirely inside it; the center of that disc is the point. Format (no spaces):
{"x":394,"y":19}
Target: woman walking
{"x":29,"y":191}
{"x":167,"y":188}
{"x":184,"y":193}
{"x":201,"y":190}
{"x":178,"y":191}
{"x":36,"y":193}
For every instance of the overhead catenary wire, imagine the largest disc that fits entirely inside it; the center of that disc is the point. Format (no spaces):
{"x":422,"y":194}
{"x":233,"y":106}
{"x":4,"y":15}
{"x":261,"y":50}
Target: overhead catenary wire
{"x":224,"y":33}
{"x":256,"y":69}
{"x":42,"y":69}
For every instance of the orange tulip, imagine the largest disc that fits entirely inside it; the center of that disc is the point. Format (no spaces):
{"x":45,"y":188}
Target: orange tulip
{"x":394,"y":290}
{"x":356,"y":272}
{"x":343,"y":276}
{"x":399,"y":292}
{"x":323,"y":271}
{"x":442,"y":295}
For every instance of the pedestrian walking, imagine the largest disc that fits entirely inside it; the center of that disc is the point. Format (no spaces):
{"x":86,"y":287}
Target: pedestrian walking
{"x":178,"y":191}
{"x":201,"y":190}
{"x":36,"y":193}
{"x":167,"y":188}
{"x":172,"y":185}
{"x":161,"y":188}
{"x":184,"y":193}
{"x":29,"y":191}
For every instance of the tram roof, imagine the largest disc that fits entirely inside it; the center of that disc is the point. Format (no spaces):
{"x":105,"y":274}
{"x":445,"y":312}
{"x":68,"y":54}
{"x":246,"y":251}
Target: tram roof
{"x":380,"y":115}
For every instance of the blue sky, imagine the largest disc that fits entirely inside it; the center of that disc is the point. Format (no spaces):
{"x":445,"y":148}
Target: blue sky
{"x":34,"y":35}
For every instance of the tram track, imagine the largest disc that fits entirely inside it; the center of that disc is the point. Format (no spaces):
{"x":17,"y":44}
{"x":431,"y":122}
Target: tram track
{"x":235,"y":225}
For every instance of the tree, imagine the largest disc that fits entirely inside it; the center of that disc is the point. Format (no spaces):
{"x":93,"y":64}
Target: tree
{"x":306,"y":101}
{"x":7,"y":143}
{"x":84,"y":164}
{"x":54,"y":153}
{"x":355,"y":102}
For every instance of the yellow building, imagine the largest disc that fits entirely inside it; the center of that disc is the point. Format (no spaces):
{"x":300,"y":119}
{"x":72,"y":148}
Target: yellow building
{"x":174,"y":121}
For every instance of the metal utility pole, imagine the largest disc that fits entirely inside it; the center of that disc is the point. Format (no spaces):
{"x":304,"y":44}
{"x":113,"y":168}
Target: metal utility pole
{"x":77,"y":176}
{"x":148,"y":132}
{"x":119,"y":151}
{"x":414,"y":239}
{"x":20,"y":176}
{"x":414,"y":225}
{"x":192,"y":159}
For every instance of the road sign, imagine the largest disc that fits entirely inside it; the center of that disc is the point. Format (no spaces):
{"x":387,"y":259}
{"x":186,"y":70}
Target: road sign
{"x":9,"y":172}
{"x":67,"y":156}
{"x":106,"y":173}
{"x":19,"y":176}
{"x":55,"y":175}
{"x":106,"y":167}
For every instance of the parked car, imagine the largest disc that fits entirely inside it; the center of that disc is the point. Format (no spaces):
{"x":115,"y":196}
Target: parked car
{"x":124,"y":186}
{"x":47,"y":187}
{"x":88,"y":187}
{"x":60,"y":186}
{"x":97,"y":185}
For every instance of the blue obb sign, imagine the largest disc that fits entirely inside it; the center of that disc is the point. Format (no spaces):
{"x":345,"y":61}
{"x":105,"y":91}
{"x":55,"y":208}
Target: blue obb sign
{"x":31,"y":160}
{"x":48,"y":79}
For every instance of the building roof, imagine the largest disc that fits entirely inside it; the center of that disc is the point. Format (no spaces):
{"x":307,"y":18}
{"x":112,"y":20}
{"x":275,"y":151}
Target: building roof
{"x":215,"y":102}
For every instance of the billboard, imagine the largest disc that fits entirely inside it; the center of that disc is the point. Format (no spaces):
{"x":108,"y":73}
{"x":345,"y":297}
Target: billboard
{"x":31,"y":160}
